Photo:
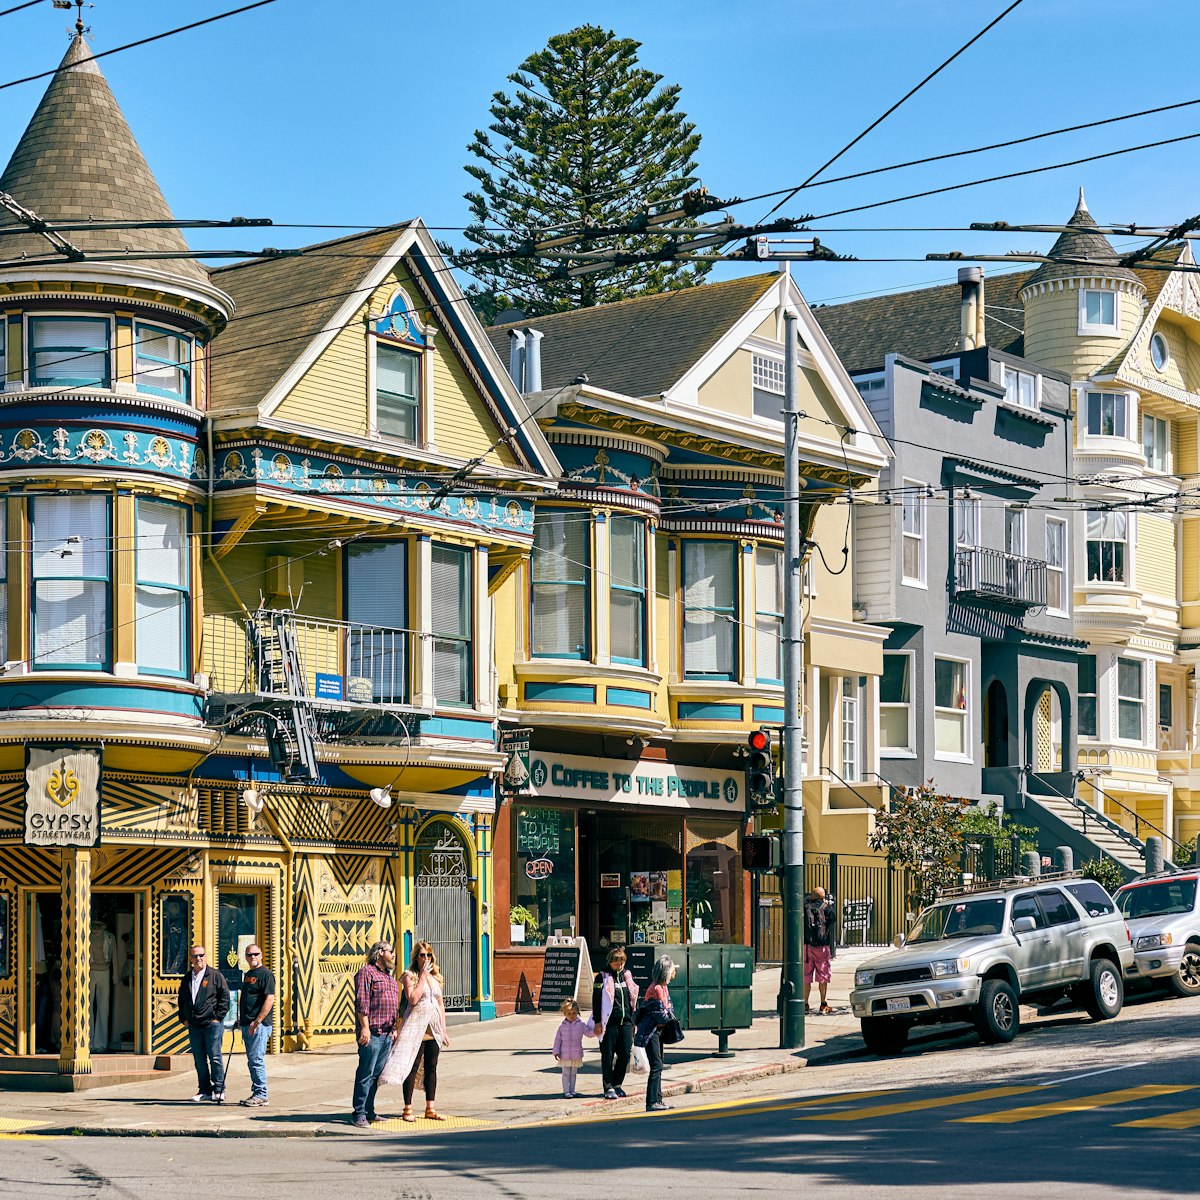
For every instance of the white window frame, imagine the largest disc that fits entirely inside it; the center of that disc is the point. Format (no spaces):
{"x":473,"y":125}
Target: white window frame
{"x":1123,"y":699}
{"x":1160,"y":337}
{"x":1060,"y":569}
{"x":1127,"y":541}
{"x":908,"y":750}
{"x":914,"y":497}
{"x":768,"y":621}
{"x":1131,"y":416}
{"x":1018,"y":374}
{"x":1158,"y":425}
{"x":966,"y":713}
{"x":1099,"y":327}
{"x":851,"y":741}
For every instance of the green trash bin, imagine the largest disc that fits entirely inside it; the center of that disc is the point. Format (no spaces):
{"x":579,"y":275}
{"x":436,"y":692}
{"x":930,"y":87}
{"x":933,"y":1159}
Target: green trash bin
{"x":639,"y":961}
{"x":737,"y":1008}
{"x":679,"y":1002}
{"x":704,"y":1008}
{"x":737,"y":966}
{"x":703,"y":967}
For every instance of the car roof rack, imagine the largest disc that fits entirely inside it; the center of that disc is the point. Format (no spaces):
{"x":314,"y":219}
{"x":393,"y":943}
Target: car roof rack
{"x":1008,"y":883}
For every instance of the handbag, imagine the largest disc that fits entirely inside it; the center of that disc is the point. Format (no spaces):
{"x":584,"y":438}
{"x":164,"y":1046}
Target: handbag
{"x":671,"y":1033}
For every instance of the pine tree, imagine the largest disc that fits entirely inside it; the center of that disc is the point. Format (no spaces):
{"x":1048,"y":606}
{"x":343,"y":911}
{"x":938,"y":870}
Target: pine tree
{"x":591,"y":138}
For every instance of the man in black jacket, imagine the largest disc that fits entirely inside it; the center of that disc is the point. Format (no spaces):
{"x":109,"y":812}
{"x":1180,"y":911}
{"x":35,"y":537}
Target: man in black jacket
{"x":203,"y":1003}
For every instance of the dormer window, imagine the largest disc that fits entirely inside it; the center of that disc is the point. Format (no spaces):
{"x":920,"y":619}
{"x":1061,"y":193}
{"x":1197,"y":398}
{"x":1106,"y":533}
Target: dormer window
{"x":69,"y":352}
{"x":400,"y":341}
{"x":1020,"y":387}
{"x":1098,"y":311}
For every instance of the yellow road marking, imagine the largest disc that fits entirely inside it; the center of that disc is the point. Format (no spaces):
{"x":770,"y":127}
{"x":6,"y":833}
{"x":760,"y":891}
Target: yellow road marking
{"x":421,"y":1125}
{"x":17,"y":1125}
{"x":702,"y":1112}
{"x":907,"y":1106}
{"x":1189,"y":1118}
{"x":1080,"y":1104}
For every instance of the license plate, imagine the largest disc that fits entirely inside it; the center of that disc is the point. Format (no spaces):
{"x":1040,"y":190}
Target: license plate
{"x":900,"y":1004}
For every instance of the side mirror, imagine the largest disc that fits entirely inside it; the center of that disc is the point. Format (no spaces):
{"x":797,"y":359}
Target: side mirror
{"x":1024,"y":925}
{"x":898,"y":940}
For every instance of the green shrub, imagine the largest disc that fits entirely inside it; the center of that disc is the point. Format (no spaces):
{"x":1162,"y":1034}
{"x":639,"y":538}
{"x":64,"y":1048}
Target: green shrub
{"x":1105,"y":871}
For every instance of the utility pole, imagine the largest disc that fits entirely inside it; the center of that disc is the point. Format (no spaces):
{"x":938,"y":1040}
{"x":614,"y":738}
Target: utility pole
{"x":791,"y":982}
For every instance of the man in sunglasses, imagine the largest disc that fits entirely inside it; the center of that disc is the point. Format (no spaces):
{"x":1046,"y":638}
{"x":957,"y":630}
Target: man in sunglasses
{"x":203,"y":1003}
{"x":256,"y":1003}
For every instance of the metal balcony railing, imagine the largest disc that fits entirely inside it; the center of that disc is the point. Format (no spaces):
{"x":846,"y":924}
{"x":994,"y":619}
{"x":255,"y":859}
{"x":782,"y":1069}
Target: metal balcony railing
{"x":340,"y":663}
{"x":1000,"y":577}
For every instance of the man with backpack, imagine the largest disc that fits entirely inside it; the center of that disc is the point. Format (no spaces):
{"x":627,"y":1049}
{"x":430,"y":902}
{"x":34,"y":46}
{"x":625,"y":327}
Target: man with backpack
{"x":818,"y":946}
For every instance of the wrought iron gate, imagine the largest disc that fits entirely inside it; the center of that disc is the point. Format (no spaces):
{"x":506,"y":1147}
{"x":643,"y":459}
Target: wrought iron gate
{"x":445,"y":911}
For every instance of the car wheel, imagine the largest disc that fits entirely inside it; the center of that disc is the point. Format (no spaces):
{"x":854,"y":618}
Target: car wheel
{"x":1186,"y":981}
{"x":997,"y":1016}
{"x":1106,"y":993}
{"x":884,"y":1035}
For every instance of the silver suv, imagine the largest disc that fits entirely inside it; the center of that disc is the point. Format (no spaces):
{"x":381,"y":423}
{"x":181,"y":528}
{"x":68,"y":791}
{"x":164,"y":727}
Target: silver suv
{"x":975,"y":957}
{"x":1164,"y":918}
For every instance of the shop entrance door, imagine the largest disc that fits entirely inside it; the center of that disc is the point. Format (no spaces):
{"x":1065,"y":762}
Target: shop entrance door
{"x":239,"y":924}
{"x":445,"y":911}
{"x":115,"y":958}
{"x":41,"y":929}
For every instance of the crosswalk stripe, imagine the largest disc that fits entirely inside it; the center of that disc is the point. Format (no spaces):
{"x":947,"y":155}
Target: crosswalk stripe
{"x":1056,"y":1108}
{"x":1189,"y":1118}
{"x":887,"y":1110}
{"x":707,"y":1114}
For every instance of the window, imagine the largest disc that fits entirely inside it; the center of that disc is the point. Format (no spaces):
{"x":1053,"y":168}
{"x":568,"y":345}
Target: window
{"x":767,"y":377}
{"x":1156,"y":442}
{"x":1092,"y":897}
{"x":163,"y":365}
{"x":1056,"y":565}
{"x":1097,"y":311}
{"x":1026,"y":905}
{"x":70,"y":582}
{"x":397,"y":392}
{"x":68,"y":352}
{"x":1107,"y":533}
{"x":161,"y":632}
{"x":966,"y":522}
{"x":545,"y":835}
{"x":3,"y":352}
{"x":951,"y":716}
{"x":895,"y":703}
{"x":1087,"y":695}
{"x":1014,"y":530}
{"x":377,"y":644}
{"x":1058,"y":909}
{"x":1130,"y":699}
{"x":451,"y":591}
{"x":914,"y":532}
{"x":768,"y":616}
{"x":851,"y":696}
{"x":709,"y":589}
{"x":1160,"y":353}
{"x":1020,"y":387}
{"x":1107,"y":414}
{"x":560,"y":590}
{"x":3,"y":571}
{"x":1166,"y":706}
{"x":627,"y":590}
{"x":869,"y":387}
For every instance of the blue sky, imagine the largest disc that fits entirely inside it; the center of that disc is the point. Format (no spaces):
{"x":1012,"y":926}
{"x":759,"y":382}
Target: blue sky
{"x":309,"y":111}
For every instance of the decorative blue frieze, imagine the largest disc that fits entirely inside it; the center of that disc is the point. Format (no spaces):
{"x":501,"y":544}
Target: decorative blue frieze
{"x":603,"y":466}
{"x":124,"y":449}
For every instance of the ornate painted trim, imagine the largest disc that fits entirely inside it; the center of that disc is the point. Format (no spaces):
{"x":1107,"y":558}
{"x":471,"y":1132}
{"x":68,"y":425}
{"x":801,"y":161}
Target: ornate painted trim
{"x":60,"y":447}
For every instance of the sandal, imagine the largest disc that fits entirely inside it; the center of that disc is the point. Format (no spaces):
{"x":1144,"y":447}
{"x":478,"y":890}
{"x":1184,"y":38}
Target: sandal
{"x":432,"y":1114}
{"x":407,"y":1114}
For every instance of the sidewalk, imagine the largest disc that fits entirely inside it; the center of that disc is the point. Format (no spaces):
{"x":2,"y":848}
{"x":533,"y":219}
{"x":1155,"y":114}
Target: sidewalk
{"x":495,"y":1073}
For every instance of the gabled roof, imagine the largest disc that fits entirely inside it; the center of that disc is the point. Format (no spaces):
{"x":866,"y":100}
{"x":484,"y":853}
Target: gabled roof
{"x":638,"y":347}
{"x":1082,"y":240}
{"x":924,"y":324}
{"x":1153,"y":280}
{"x":78,"y":159}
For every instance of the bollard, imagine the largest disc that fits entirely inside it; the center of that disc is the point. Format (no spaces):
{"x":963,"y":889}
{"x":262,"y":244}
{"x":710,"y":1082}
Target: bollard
{"x":1154,"y":855}
{"x":1064,"y":859}
{"x":1032,"y":861}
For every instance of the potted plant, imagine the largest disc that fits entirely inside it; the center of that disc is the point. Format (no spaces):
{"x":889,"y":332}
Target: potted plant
{"x":523,"y":927}
{"x":700,"y":903}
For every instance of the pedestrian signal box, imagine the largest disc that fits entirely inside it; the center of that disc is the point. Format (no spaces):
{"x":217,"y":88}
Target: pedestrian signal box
{"x":761,"y":852}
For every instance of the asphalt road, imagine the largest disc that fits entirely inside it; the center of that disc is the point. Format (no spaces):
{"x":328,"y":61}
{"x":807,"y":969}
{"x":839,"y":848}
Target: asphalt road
{"x":1070,"y":1109}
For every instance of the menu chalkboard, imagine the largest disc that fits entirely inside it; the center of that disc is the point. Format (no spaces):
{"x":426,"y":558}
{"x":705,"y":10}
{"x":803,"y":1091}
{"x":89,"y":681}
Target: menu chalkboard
{"x":560,"y":977}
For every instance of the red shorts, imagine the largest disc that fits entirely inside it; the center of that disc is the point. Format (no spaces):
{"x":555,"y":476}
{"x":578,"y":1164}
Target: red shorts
{"x":817,"y":964}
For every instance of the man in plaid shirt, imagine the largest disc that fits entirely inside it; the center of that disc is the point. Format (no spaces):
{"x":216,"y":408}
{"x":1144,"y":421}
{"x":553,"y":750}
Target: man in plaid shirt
{"x":376,"y":1011}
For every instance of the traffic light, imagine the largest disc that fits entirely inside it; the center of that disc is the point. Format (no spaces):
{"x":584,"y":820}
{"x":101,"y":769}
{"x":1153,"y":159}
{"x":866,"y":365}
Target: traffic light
{"x":761,"y":852}
{"x":760,"y":771}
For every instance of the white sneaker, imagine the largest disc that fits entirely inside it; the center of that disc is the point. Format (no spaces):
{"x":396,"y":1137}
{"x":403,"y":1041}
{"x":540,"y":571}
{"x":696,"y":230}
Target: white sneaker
{"x":200,"y":1097}
{"x":218,"y":1097}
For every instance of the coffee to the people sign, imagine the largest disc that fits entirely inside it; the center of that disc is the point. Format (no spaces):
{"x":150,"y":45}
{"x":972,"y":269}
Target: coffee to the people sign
{"x":62,"y":797}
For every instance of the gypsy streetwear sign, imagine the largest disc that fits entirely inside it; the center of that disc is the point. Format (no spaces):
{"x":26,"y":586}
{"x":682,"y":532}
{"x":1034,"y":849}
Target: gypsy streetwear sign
{"x":621,"y":781}
{"x":62,"y":797}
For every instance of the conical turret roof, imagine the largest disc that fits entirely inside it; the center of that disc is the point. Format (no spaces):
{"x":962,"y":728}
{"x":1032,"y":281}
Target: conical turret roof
{"x":77,"y":159}
{"x":1082,"y":240}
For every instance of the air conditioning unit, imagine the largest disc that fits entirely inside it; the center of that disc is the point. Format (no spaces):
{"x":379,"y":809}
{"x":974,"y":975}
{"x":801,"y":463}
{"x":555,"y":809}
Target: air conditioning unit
{"x":285,"y":576}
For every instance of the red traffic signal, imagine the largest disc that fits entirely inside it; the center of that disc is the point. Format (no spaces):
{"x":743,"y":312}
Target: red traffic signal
{"x":759,"y":739}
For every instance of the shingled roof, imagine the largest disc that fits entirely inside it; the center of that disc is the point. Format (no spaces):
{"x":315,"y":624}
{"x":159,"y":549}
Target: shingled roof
{"x":1082,"y":240}
{"x":282,"y":304}
{"x":77,"y":159}
{"x":924,"y":324}
{"x":638,"y":347}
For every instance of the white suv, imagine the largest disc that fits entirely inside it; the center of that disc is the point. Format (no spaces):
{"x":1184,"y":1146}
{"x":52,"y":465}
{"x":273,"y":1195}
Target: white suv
{"x":1163,"y":913}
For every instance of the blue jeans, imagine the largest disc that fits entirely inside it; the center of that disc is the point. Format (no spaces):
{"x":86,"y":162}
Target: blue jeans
{"x":205,"y":1043}
{"x":256,"y":1048}
{"x":372,"y":1058}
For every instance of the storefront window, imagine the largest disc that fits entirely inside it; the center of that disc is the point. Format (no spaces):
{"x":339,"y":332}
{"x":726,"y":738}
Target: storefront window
{"x":638,"y":894}
{"x":544,"y":882}
{"x":714,"y":880}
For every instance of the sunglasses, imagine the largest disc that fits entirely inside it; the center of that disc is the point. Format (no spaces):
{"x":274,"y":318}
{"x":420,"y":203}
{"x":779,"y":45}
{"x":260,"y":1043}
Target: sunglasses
{"x":254,"y":954}
{"x":197,"y":956}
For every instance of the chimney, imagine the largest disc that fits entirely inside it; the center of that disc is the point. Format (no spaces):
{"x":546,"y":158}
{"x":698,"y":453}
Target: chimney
{"x":516,"y":358}
{"x":972,"y":336}
{"x":533,"y":360}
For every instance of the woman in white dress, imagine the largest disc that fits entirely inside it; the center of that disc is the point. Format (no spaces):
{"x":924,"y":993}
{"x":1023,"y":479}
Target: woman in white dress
{"x":422,"y":1034}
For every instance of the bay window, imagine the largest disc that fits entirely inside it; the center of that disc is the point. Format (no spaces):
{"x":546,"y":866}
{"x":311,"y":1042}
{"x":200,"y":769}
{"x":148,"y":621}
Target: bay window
{"x":451,"y":594}
{"x":69,"y":352}
{"x":70,"y":582}
{"x":627,"y":590}
{"x":163,"y":363}
{"x":1156,"y":442}
{"x":895,"y":703}
{"x":768,"y":615}
{"x":559,"y":600}
{"x":852,"y":728}
{"x":951,"y":713}
{"x":1056,"y":565}
{"x":1131,"y":701}
{"x":1107,"y":538}
{"x":161,"y":630}
{"x":377,"y":608}
{"x":709,"y":608}
{"x":1107,"y":414}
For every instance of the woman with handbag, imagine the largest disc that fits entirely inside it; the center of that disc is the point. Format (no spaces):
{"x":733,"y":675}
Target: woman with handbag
{"x":657,"y":1026}
{"x":614,"y":1002}
{"x":422,"y":1036}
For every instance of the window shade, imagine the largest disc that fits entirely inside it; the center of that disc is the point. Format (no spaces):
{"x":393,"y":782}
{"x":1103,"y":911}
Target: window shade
{"x":450,"y":592}
{"x":560,"y":543}
{"x":708,"y":575}
{"x":560,"y":619}
{"x":70,"y":620}
{"x":59,"y":518}
{"x":161,"y":556}
{"x":377,"y":584}
{"x":768,"y":580}
{"x":627,"y":565}
{"x":160,"y":629}
{"x":627,"y":616}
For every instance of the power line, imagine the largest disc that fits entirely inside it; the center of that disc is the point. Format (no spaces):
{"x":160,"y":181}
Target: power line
{"x":28,"y":4}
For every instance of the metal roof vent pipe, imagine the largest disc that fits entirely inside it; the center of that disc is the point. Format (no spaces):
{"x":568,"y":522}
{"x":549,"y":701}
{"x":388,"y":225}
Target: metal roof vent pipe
{"x":971,"y":335}
{"x":516,"y":358}
{"x":533,"y":360}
